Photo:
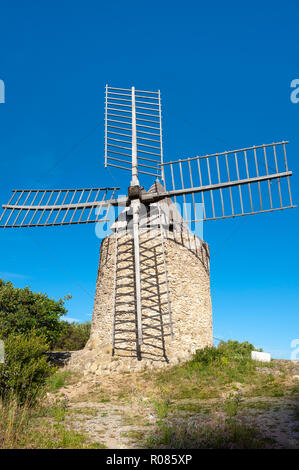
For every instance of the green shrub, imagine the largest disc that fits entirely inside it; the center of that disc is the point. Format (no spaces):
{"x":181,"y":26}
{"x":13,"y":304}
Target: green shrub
{"x":236,"y":350}
{"x":22,"y":310}
{"x":25,"y":367}
{"x":225,"y":353}
{"x":75,"y":336}
{"x":207,"y":356}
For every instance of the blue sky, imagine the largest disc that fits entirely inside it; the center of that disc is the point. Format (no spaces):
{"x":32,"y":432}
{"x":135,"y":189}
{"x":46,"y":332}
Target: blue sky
{"x":224,"y":70}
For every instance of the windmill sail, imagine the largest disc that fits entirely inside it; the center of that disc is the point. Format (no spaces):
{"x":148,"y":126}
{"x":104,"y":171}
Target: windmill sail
{"x":133,"y":126}
{"x":230,"y":184}
{"x":49,"y":207}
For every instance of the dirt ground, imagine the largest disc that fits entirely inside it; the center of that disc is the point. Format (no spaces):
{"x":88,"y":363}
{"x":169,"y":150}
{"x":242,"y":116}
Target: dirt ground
{"x":121,"y":411}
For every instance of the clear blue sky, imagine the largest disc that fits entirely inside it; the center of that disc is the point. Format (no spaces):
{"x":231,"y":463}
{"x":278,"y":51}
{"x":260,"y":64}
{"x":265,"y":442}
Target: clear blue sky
{"x":224,"y":70}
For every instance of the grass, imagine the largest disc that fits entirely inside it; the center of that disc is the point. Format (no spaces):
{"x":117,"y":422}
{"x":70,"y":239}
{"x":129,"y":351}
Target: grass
{"x":258,"y":405}
{"x":60,"y":379}
{"x":217,"y":435}
{"x":296,"y":413}
{"x":193,"y":408}
{"x":268,"y":388}
{"x":207,"y":402}
{"x":86,"y":411}
{"x":198,"y":380}
{"x":295,"y":390}
{"x":98,"y":395}
{"x":133,"y":420}
{"x":57,"y":437}
{"x":161,"y":408}
{"x":232,"y":404}
{"x":39,"y":427}
{"x":207,"y":388}
{"x":134,"y":435}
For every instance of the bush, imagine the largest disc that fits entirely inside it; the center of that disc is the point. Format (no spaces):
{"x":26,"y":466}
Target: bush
{"x":207,"y":356}
{"x":235,"y":350}
{"x":25,"y":367}
{"x":74,"y":337}
{"x":225,"y":353}
{"x":22,"y":310}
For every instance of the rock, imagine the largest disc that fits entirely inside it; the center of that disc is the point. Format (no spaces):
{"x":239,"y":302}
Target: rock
{"x":260,"y":356}
{"x":93,"y":367}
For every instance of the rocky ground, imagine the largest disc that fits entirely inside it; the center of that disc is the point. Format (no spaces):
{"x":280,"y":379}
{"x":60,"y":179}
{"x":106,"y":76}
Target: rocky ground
{"x":148,"y":409}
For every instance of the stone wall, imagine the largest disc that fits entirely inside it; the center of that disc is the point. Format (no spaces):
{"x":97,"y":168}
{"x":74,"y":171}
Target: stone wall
{"x":189,"y":285}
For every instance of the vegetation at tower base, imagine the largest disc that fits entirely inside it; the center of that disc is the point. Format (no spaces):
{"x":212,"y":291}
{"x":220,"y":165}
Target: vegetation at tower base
{"x":25,"y":369}
{"x":74,"y":337}
{"x":218,"y":399}
{"x":30,"y":326}
{"x":225,"y":353}
{"x":22,"y":310}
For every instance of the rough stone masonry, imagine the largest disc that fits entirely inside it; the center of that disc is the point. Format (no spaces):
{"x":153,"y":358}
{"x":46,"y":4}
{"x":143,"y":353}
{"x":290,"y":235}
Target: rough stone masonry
{"x":187,"y":259}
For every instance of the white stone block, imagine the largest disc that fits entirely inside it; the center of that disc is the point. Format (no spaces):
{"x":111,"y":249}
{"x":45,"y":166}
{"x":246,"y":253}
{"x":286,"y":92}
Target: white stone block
{"x":260,"y":356}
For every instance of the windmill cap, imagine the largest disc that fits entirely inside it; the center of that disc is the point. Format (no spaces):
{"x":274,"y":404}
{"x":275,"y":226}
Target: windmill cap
{"x":171,"y":217}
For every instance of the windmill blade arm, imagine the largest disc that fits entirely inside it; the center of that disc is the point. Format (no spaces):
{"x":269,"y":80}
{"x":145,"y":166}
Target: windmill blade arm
{"x":39,"y":208}
{"x":157,"y":196}
{"x":230,"y":184}
{"x":110,"y":202}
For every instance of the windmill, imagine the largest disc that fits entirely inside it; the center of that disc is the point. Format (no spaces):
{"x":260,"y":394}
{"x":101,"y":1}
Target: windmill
{"x":153,"y":260}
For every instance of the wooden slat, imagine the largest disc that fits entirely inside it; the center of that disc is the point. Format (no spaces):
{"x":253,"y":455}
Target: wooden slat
{"x":241,"y":174}
{"x":44,"y":213}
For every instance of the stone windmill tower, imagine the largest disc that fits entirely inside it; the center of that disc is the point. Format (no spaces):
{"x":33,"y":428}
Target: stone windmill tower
{"x":176,"y":312}
{"x":152,"y":301}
